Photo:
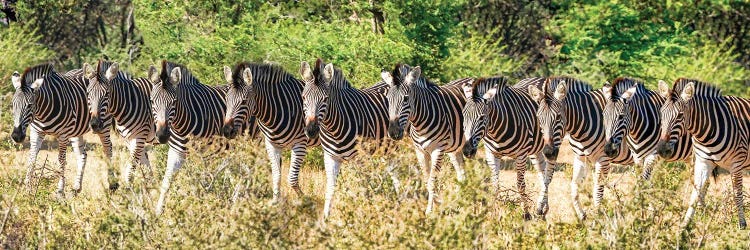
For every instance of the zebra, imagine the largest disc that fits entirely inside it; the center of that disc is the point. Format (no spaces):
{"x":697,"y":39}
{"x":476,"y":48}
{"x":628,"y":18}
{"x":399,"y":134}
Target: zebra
{"x":182,"y":107}
{"x":631,"y":112}
{"x":719,"y":127}
{"x":273,"y":97}
{"x":105,"y":120}
{"x":113,"y":93}
{"x":505,"y":118}
{"x":340,"y":115}
{"x":51,"y":104}
{"x":568,"y":105}
{"x":434,"y":115}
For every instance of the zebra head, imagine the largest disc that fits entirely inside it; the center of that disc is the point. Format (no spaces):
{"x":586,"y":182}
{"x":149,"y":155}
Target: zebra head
{"x":672,"y":116}
{"x":163,"y":98}
{"x":550,"y":115}
{"x":399,"y":81}
{"x":25,"y":87}
{"x":97,"y":91}
{"x":240,"y":99}
{"x":315,"y":94}
{"x":616,"y":116}
{"x":479,"y":95}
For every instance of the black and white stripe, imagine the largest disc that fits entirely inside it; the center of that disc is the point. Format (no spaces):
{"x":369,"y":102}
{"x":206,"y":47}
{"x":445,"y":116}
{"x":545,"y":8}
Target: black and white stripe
{"x":114,"y":94}
{"x":183,"y":108}
{"x":273,"y":97}
{"x":434,"y":114}
{"x":52,"y":104}
{"x":570,"y":106}
{"x":505,"y":118}
{"x":340,"y":115}
{"x":719,"y":126}
{"x":631,"y":117}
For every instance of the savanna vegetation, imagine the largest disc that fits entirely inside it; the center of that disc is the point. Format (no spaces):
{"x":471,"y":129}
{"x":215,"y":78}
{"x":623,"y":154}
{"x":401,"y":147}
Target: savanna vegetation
{"x":223,"y":203}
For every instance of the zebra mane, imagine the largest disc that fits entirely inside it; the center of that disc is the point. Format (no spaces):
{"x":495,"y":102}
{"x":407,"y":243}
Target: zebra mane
{"x":259,"y":70}
{"x":318,"y":72}
{"x":166,"y":70}
{"x":101,"y":71}
{"x":481,"y":85}
{"x":702,"y":89}
{"x":622,"y":84}
{"x":574,"y":85}
{"x":36,"y":71}
{"x":399,"y":73}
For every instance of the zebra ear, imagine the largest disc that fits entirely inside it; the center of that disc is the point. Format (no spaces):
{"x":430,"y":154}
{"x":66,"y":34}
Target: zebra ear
{"x":328,"y":73}
{"x":306,"y":72}
{"x":88,"y":71}
{"x":153,"y":74}
{"x":628,"y":94}
{"x":663,"y":89}
{"x":490,"y":94}
{"x":176,"y":75}
{"x":112,"y":71}
{"x":688,"y":91}
{"x":468,"y":88}
{"x":535,"y":93}
{"x":413,"y":75}
{"x":247,"y":76}
{"x":228,"y":74}
{"x":16,"y":79}
{"x":561,"y":91}
{"x":38,"y":83}
{"x":387,"y":77}
{"x":607,"y":91}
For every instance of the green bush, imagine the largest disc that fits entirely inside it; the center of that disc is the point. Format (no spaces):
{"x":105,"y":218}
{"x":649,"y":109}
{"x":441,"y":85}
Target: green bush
{"x":19,"y":51}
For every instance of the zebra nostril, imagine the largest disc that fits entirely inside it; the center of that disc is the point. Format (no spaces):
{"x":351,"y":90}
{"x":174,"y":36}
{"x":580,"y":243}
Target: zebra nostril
{"x":550,"y":152}
{"x":229,"y":131}
{"x":17,"y":135}
{"x":394,"y":130}
{"x":312,"y":129}
{"x":469,"y":151}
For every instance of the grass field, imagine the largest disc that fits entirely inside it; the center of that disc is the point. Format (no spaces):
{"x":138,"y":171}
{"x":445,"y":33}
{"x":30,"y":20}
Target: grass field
{"x":215,"y":205}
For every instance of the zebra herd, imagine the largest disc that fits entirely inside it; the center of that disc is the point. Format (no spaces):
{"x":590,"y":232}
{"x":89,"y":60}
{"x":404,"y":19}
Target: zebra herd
{"x":621,"y":123}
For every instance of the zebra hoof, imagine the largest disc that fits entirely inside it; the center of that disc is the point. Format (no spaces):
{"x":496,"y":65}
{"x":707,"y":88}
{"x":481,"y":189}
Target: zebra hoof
{"x":76,"y":191}
{"x":526,"y":216}
{"x":743,"y":224}
{"x":298,"y":191}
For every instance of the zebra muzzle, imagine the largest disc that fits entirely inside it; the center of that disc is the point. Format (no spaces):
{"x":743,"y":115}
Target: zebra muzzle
{"x":395,"y":131}
{"x":550,"y":152}
{"x":665,"y":149}
{"x":229,"y":131}
{"x":163,"y":134}
{"x":312,"y":129}
{"x":96,"y":124}
{"x":611,"y":149}
{"x":470,"y":151}
{"x":18,"y":135}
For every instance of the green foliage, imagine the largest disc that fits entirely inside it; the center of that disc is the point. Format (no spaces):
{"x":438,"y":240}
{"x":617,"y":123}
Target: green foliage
{"x":18,"y":52}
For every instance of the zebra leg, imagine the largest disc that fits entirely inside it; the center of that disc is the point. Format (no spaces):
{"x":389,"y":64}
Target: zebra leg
{"x":274,"y":155}
{"x":544,"y":171}
{"x":174,"y":161}
{"x":62,"y":148}
{"x":457,"y":159}
{"x":104,"y":137}
{"x":332,"y":172}
{"x":431,"y":185}
{"x":738,"y":197}
{"x":579,"y":173}
{"x":521,"y":185}
{"x":35,"y":141}
{"x":701,"y":172}
{"x":648,"y":166}
{"x":424,"y":162}
{"x":299,"y":151}
{"x":79,"y":148}
{"x":135,"y":146}
{"x":600,"y":177}
{"x":494,"y":167}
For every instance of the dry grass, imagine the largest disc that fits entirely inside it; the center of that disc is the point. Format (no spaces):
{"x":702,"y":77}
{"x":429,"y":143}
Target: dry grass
{"x":213,"y":204}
